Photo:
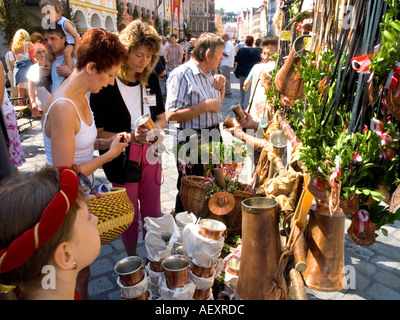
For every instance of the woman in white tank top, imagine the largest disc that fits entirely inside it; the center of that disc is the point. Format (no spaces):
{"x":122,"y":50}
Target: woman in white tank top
{"x":69,"y":130}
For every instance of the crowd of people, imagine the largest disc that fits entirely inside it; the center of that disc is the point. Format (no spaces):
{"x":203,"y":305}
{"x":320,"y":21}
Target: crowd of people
{"x":90,"y":92}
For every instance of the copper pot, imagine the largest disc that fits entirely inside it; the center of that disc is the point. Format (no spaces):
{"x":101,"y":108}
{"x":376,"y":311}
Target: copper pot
{"x":261,"y":249}
{"x":325,"y":249}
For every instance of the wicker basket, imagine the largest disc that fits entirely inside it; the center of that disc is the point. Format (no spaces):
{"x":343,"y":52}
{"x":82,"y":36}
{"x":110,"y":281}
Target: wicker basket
{"x":192,"y":194}
{"x":115,"y":213}
{"x":194,"y":200}
{"x":237,"y":210}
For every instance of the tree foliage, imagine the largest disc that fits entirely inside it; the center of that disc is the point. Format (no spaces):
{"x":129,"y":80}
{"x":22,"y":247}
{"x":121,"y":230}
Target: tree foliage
{"x":13,"y":16}
{"x":68,"y":12}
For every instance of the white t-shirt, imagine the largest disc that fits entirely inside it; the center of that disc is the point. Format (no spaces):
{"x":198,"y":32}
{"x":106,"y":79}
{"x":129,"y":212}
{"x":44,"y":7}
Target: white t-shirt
{"x":230,"y":51}
{"x":132,"y":97}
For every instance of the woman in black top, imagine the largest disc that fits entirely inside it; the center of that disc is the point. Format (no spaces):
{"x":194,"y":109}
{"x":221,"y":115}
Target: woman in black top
{"x":136,"y":92}
{"x":245,"y":59}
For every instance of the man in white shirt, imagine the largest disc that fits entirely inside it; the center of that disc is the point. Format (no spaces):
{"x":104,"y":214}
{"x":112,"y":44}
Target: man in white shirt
{"x":165,"y":45}
{"x":226,"y":65}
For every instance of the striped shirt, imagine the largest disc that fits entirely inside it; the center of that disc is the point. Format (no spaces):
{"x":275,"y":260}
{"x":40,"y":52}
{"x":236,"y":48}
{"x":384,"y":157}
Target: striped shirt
{"x":187,"y":86}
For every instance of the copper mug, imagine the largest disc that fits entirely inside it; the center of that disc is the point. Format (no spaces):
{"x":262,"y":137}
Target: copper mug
{"x":202,"y":294}
{"x":212,"y":229}
{"x":201,"y":271}
{"x":176,"y":268}
{"x":146,"y":122}
{"x":279,"y":140}
{"x":233,"y":266}
{"x":155,"y":265}
{"x":238,"y":111}
{"x":130,"y":270}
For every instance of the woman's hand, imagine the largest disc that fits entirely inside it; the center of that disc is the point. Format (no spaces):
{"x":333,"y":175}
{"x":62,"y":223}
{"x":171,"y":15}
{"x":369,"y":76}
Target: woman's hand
{"x":118,"y":143}
{"x":145,"y":136}
{"x":140,"y":135}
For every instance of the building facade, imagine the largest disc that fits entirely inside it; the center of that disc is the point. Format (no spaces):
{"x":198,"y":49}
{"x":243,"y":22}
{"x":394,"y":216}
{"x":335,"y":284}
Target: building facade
{"x":95,"y":14}
{"x":201,"y":17}
{"x":88,"y":13}
{"x":271,"y":7}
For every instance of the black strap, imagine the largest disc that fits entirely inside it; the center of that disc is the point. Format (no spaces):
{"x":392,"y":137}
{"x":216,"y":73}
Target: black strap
{"x":254,"y":92}
{"x":141,"y":99}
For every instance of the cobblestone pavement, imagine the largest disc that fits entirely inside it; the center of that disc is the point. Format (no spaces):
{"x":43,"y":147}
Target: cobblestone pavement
{"x":377,"y":267}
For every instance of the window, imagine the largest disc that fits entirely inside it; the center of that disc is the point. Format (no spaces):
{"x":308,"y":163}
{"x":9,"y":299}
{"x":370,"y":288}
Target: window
{"x":194,"y":25}
{"x":201,"y":25}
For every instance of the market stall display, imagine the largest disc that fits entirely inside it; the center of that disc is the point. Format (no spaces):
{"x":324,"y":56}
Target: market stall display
{"x":331,"y":153}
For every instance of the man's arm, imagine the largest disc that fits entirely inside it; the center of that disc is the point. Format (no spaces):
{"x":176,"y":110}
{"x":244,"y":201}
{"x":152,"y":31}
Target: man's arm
{"x":64,"y":71}
{"x":182,"y":115}
{"x":176,"y":108}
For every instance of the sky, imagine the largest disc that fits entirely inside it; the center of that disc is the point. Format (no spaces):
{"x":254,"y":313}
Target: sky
{"x":237,"y":5}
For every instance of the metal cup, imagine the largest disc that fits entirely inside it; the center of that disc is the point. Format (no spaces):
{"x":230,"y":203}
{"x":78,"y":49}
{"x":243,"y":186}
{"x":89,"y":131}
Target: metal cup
{"x":179,"y":251}
{"x":183,"y":218}
{"x":212,"y":229}
{"x":166,"y":235}
{"x":238,"y":111}
{"x":279,"y":140}
{"x":176,"y":268}
{"x":200,"y":271}
{"x":233,"y":266}
{"x":146,"y":122}
{"x":130,"y":270}
{"x":202,"y":294}
{"x":155,"y":265}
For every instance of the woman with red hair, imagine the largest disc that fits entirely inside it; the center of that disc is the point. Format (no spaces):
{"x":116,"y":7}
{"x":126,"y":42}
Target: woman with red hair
{"x":69,"y":129}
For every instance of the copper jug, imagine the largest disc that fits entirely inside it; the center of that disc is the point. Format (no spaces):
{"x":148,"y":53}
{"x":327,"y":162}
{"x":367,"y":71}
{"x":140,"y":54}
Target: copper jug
{"x":325,"y":249}
{"x":288,"y":81}
{"x":261,"y":249}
